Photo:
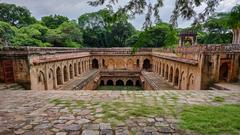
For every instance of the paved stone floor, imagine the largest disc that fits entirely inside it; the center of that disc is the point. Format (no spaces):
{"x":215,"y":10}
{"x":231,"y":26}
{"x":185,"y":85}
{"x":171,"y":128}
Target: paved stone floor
{"x":98,"y":112}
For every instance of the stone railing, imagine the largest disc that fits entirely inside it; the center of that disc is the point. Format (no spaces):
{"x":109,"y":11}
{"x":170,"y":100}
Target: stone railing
{"x":209,"y":48}
{"x":52,"y":50}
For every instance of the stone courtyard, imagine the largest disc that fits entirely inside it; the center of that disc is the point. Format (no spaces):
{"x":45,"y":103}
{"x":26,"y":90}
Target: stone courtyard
{"x":101,"y":112}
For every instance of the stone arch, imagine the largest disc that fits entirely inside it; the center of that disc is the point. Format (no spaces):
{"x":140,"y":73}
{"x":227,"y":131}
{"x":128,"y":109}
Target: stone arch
{"x":41,"y":81}
{"x":146,"y":64}
{"x":119,"y":83}
{"x":71,"y":71}
{"x":75,"y":69}
{"x":65,"y":74}
{"x":163,"y":69}
{"x":160,"y":69}
{"x":120,"y":64}
{"x":191,"y":82}
{"x":110,"y":82}
{"x":129,"y":83}
{"x":79,"y":68}
{"x":224,"y":72}
{"x":95,"y":64}
{"x":51,"y":79}
{"x":102,"y":83}
{"x":166,"y":74}
{"x":137,"y":83}
{"x":171,"y":74}
{"x":103,"y":62}
{"x":130,"y":64}
{"x":138,"y":62}
{"x":83,"y":70}
{"x":183,"y":81}
{"x":176,"y":77}
{"x":110,"y":64}
{"x":59,"y":76}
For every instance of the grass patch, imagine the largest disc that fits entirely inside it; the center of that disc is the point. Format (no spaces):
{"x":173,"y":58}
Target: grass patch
{"x":121,"y":111}
{"x":211,"y":119}
{"x":128,"y":88}
{"x":218,"y":99}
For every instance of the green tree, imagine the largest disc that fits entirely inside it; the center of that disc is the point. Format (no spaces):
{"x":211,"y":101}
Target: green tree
{"x":15,"y":15}
{"x":67,"y":34}
{"x":55,"y":21}
{"x":32,"y":35}
{"x":6,"y":33}
{"x":161,"y":35}
{"x":105,"y":29}
{"x":215,"y":30}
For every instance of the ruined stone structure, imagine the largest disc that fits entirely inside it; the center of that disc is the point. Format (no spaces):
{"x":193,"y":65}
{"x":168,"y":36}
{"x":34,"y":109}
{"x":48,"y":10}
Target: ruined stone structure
{"x":193,"y":68}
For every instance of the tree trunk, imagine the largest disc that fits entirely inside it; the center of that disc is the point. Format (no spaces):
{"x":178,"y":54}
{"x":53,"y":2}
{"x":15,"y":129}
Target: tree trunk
{"x":238,"y":37}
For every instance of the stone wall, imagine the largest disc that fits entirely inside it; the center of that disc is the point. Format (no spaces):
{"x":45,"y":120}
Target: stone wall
{"x":195,"y":67}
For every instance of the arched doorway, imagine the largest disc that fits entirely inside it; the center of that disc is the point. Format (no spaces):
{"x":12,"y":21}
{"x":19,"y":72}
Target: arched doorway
{"x":79,"y":68}
{"x":160,"y":70}
{"x":171,"y":74}
{"x":102,"y":83}
{"x":50,"y":80}
{"x":130,"y":64}
{"x":223,"y":73}
{"x":138,"y":62}
{"x":41,"y":81}
{"x":163,"y":70}
{"x":146,"y":64}
{"x":59,"y":76}
{"x":138,"y":83}
{"x":95,"y":64}
{"x":110,"y":83}
{"x":166,"y":75}
{"x":103,"y":62}
{"x":71,"y":71}
{"x":75,"y":69}
{"x":129,"y":83}
{"x":65,"y":74}
{"x":190,"y":83}
{"x":176,"y":77}
{"x":119,"y":83}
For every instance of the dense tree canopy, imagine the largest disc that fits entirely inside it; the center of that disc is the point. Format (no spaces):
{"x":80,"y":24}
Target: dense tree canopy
{"x":53,"y":22}
{"x":215,"y":30}
{"x":161,"y":35}
{"x":105,"y":29}
{"x":15,"y":15}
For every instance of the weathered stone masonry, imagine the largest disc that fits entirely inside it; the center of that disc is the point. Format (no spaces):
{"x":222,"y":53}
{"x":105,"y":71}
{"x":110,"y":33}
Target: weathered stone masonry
{"x":195,"y":67}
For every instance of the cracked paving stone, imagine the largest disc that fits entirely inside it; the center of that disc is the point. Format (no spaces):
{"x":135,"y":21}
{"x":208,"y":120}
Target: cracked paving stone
{"x":61,"y":133}
{"x":72,"y":127}
{"x":82,"y":121}
{"x":105,"y":126}
{"x":43,"y":126}
{"x":90,"y":132}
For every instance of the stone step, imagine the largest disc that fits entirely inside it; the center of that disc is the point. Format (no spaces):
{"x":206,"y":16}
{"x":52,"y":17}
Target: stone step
{"x":156,"y":81}
{"x":12,"y":86}
{"x":213,"y":88}
{"x":218,"y":87}
{"x":85,"y":77}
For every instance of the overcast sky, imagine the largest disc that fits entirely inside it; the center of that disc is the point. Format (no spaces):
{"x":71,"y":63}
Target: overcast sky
{"x":74,"y":8}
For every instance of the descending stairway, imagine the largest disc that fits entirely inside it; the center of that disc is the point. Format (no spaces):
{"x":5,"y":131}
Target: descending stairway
{"x":225,"y":86}
{"x":11,"y":86}
{"x":156,"y":81}
{"x":83,"y":79}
